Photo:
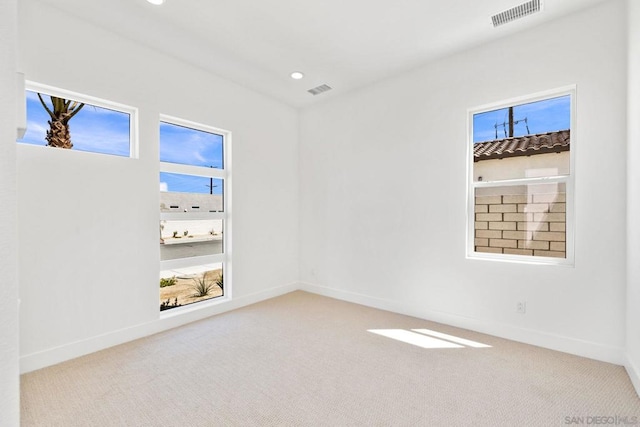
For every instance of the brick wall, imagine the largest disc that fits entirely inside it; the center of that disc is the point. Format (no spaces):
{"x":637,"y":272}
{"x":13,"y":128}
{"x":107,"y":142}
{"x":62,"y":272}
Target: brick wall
{"x":521,"y":224}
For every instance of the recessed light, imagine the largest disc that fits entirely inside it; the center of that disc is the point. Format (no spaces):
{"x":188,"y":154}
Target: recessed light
{"x":156,"y":2}
{"x":297,"y":75}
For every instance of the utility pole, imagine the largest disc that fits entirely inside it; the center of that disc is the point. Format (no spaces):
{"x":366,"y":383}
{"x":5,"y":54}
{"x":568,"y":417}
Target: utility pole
{"x":211,"y":185}
{"x":510,"y":122}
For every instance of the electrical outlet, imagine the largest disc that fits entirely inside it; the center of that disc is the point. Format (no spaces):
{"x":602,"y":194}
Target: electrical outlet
{"x":521,"y":307}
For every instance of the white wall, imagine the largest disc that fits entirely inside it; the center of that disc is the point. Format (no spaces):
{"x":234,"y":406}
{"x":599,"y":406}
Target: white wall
{"x":81,"y":288}
{"x":633,"y":195}
{"x":9,"y":382}
{"x":383,"y":190}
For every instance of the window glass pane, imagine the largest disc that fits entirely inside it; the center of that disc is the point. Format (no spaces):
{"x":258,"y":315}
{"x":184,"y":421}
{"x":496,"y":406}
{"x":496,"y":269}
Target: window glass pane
{"x":521,"y":220}
{"x":185,"y":286}
{"x":190,"y":193}
{"x":524,"y":141}
{"x":190,"y":238}
{"x":66,"y":123}
{"x":179,"y":144}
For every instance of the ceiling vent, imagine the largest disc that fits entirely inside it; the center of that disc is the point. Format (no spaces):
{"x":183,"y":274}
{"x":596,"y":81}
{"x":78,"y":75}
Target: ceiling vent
{"x":319,"y":89}
{"x":517,"y":12}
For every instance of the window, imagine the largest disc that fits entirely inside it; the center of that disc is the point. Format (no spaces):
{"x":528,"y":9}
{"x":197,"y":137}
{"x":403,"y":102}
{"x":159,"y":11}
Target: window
{"x":63,"y":119}
{"x":520,"y":200}
{"x":194,"y":213}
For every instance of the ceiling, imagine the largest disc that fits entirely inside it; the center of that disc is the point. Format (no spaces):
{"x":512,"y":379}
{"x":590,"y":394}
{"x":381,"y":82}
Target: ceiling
{"x":345,"y":44}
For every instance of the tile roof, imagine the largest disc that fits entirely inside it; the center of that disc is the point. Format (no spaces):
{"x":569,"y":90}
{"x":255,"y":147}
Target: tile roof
{"x":528,"y":145}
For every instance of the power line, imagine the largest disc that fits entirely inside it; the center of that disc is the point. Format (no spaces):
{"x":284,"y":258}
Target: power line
{"x":511,"y":123}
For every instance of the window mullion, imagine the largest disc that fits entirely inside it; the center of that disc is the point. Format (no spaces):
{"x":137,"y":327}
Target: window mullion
{"x":174,"y":264}
{"x":192,"y":170}
{"x":521,"y":181}
{"x":186,"y":216}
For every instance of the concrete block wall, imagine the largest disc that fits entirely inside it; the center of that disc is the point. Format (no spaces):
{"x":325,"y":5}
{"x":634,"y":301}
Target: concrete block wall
{"x":521,"y":224}
{"x":190,"y":202}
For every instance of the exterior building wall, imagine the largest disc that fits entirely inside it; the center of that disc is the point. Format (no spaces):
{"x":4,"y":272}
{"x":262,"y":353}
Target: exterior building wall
{"x":518,"y":223}
{"x":190,"y":202}
{"x":521,"y":219}
{"x":537,"y":165}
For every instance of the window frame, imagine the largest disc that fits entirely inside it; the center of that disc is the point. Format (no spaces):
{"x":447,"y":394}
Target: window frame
{"x":568,"y":180}
{"x":224,"y":174}
{"x":134,"y":145}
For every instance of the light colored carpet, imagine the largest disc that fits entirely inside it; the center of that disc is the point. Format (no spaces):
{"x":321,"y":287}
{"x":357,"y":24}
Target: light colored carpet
{"x":306,"y":360}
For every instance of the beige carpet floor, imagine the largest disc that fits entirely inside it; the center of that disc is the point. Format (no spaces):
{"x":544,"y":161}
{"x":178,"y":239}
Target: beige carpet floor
{"x":307,"y":360}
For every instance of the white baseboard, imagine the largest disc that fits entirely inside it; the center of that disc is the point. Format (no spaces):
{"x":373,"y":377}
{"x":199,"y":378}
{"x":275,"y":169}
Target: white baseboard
{"x":633,"y":372}
{"x":556,"y":342}
{"x":167,"y":320}
{"x":179,"y":317}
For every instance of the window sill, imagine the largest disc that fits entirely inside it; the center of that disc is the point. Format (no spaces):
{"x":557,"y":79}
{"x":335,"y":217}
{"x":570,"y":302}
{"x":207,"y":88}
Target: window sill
{"x":196,"y":306}
{"x":521,"y":259}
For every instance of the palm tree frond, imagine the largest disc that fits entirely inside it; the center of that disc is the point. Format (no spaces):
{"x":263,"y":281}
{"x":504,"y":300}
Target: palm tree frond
{"x":45,"y":106}
{"x":75,"y":111}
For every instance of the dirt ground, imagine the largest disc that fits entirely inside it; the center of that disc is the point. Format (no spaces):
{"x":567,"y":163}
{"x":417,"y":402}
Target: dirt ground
{"x":183,"y":289}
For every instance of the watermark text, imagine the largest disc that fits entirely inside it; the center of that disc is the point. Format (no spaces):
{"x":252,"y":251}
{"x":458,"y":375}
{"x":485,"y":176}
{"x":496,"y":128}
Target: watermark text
{"x":611,"y":420}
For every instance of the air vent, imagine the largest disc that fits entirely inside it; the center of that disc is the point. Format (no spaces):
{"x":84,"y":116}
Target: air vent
{"x":319,"y":89}
{"x":517,"y":12}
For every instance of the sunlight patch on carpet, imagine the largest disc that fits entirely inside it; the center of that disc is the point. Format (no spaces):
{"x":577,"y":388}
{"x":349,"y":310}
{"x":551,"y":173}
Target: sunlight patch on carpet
{"x":452,"y":338}
{"x":426,"y":338}
{"x":414,"y":338}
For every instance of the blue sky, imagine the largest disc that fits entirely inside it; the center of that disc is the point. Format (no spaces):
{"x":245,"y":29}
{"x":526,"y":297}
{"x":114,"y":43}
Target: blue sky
{"x":183,"y":145}
{"x":93,"y":129}
{"x":542,"y":116}
{"x":189,"y":184}
{"x":179,"y":144}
